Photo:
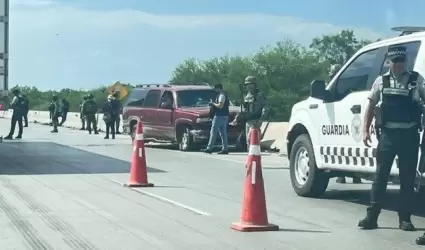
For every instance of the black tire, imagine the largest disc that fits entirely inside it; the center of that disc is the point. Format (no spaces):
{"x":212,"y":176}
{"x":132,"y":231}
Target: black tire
{"x":133,"y":131}
{"x":185,"y":140}
{"x":317,"y":180}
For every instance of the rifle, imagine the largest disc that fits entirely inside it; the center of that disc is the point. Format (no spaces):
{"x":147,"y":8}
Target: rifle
{"x":241,"y":92}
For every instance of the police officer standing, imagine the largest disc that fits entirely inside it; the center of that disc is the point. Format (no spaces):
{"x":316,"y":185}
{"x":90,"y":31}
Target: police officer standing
{"x":254,"y":107}
{"x":89,"y":112}
{"x":25,"y":109}
{"x":396,"y":101}
{"x":56,"y":112}
{"x":18,"y":111}
{"x":117,"y":105}
{"x":332,"y":72}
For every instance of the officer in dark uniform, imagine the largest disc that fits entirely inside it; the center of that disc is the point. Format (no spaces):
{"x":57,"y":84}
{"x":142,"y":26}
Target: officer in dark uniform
{"x":396,"y":101}
{"x":18,"y":111}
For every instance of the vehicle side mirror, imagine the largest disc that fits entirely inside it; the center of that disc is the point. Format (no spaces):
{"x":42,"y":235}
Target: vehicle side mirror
{"x":318,"y":89}
{"x":166,"y":105}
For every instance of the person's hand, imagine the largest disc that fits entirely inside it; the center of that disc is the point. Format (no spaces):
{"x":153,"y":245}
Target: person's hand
{"x":366,"y":138}
{"x":210,"y":104}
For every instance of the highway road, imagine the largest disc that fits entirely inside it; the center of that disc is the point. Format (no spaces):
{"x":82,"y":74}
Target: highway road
{"x":63,"y":191}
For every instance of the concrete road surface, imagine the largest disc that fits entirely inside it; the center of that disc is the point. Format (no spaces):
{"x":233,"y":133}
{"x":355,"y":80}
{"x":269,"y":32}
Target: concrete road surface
{"x":63,"y":191}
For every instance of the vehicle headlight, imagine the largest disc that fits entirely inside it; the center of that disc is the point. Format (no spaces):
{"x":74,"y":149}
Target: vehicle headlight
{"x":204,"y":119}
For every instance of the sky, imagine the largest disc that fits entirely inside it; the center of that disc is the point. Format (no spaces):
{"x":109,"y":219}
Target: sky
{"x":76,"y":44}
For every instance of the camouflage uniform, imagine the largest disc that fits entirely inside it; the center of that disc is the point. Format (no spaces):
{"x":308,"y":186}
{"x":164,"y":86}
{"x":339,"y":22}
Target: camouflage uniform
{"x":89,"y":112}
{"x":254,"y":107}
{"x":83,"y":120}
{"x":55,"y":108}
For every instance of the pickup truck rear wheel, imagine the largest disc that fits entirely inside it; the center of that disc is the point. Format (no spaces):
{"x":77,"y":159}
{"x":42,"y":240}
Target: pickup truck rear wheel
{"x":186,"y":140}
{"x":307,"y":180}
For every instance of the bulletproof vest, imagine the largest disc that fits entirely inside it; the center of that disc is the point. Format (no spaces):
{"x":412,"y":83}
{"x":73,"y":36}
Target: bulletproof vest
{"x":250,"y":103}
{"x":398,"y":105}
{"x":224,"y":111}
{"x":90,"y":107}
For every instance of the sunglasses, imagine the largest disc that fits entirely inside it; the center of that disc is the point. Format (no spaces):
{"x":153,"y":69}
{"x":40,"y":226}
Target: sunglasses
{"x":399,"y":60}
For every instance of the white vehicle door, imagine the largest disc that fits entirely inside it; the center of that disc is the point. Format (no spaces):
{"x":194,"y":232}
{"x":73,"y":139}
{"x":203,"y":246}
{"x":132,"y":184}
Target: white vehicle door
{"x":341,"y":145}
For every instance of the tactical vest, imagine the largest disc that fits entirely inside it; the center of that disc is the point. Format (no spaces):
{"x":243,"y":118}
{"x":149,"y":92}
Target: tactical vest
{"x":90,"y":107}
{"x":250,"y":103}
{"x":398,"y":105}
{"x":224,"y":111}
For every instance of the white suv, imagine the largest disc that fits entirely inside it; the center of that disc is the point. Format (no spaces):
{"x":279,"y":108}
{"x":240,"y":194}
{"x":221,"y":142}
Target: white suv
{"x":325,"y":130}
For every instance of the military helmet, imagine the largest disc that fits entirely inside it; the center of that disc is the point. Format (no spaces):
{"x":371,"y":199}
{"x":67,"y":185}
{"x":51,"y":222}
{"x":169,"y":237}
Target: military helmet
{"x":250,"y":80}
{"x":90,"y":96}
{"x":85,"y":97}
{"x":334,"y":69}
{"x":16,"y":91}
{"x":54,"y":97}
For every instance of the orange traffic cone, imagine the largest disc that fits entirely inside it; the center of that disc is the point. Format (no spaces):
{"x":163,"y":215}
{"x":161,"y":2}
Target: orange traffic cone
{"x":138,"y":172}
{"x":254,"y":210}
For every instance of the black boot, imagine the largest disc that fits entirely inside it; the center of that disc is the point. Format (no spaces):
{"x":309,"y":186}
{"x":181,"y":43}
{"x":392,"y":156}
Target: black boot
{"x":405,"y":223}
{"x":357,"y":180}
{"x":9,"y":137}
{"x":421,"y":240}
{"x":370,"y":221}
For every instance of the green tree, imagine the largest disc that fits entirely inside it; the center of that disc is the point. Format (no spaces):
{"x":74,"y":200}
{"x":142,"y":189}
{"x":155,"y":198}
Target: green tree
{"x":337,"y":48}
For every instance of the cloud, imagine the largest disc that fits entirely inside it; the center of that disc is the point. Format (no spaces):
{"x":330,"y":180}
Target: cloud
{"x":55,"y":45}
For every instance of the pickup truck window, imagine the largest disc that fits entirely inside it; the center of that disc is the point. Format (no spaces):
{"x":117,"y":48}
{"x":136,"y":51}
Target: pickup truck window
{"x":195,"y":98}
{"x":356,"y":75}
{"x":152,"y":98}
{"x":136,"y":98}
{"x":412,"y":52}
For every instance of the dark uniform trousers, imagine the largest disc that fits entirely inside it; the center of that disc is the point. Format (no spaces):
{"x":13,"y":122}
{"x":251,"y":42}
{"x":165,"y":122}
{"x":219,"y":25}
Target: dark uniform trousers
{"x":405,"y":144}
{"x":91,"y":123}
{"x":16,"y":118}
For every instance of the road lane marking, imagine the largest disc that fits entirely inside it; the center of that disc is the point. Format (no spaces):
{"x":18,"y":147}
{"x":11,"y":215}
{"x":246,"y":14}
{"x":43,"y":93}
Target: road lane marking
{"x":172,"y":202}
{"x":166,"y":200}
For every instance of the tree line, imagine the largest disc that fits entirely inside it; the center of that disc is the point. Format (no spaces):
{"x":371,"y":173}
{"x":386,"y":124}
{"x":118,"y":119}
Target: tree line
{"x":284,"y":72}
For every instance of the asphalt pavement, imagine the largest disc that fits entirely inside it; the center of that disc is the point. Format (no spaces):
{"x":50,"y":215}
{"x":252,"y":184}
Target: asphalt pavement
{"x":64,"y":191}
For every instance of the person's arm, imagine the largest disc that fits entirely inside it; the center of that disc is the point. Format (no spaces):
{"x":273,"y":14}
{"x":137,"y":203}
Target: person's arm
{"x":421,"y":90}
{"x":221,"y":101}
{"x":374,"y":97}
{"x":14,"y":101}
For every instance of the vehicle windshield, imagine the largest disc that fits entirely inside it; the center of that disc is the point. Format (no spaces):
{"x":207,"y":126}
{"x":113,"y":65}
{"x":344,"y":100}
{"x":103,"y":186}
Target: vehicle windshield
{"x":196,"y":97}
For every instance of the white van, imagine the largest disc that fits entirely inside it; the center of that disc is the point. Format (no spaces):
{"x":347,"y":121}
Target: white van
{"x":325,"y":131}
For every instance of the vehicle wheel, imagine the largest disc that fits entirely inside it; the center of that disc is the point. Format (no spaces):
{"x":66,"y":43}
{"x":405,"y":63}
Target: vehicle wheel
{"x":186,"y":140}
{"x":133,"y":132}
{"x":307,"y":180}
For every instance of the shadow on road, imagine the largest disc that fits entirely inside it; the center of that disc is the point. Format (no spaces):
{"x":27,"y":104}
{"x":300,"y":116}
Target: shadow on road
{"x":362,"y":197}
{"x":38,"y":158}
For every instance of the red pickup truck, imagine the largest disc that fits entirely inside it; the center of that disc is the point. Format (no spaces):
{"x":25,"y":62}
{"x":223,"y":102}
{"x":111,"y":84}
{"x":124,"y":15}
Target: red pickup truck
{"x":178,"y":114}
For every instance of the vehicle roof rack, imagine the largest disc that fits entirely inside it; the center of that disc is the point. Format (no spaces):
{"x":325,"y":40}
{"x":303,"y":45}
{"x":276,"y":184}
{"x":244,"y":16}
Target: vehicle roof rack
{"x":407,"y":30}
{"x":152,"y":85}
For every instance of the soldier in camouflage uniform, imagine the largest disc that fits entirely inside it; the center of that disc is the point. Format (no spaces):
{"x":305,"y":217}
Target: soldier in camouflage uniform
{"x":254,"y":107}
{"x":89,"y":112}
{"x":55,"y":113}
{"x":332,"y":72}
{"x":83,"y":120}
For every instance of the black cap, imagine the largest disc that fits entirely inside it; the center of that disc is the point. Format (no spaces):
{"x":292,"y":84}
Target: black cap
{"x":397,"y":52}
